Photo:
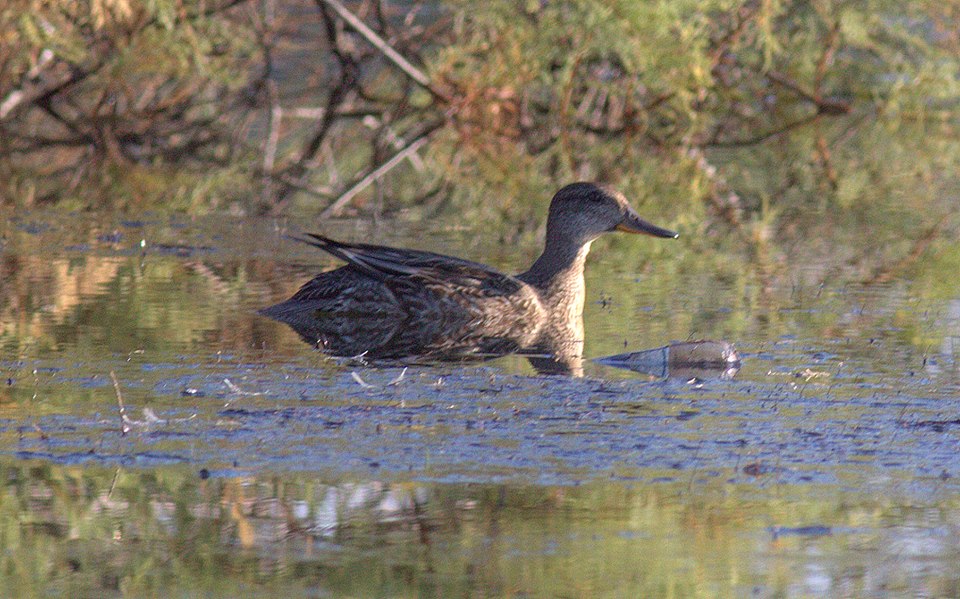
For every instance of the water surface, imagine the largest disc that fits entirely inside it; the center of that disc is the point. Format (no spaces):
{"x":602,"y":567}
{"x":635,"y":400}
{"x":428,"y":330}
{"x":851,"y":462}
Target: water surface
{"x":246,"y":463}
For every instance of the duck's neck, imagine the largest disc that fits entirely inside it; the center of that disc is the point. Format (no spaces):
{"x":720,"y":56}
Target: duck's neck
{"x":558,"y":276}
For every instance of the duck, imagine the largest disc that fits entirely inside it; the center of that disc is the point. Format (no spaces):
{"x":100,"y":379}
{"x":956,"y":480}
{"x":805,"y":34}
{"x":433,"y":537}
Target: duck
{"x":389,"y":303}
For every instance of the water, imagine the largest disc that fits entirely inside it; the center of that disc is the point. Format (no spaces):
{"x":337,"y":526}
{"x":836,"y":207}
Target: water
{"x":246,"y":463}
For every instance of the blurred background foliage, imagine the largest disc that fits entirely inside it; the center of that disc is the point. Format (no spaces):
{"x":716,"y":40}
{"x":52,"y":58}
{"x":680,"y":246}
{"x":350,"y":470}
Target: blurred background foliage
{"x":800,"y":146}
{"x":770,"y":130}
{"x":743,"y":122}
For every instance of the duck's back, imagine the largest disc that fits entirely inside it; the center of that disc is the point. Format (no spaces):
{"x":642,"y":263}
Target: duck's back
{"x":391,"y":303}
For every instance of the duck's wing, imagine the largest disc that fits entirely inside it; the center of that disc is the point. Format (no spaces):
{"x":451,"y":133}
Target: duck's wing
{"x":382,"y":263}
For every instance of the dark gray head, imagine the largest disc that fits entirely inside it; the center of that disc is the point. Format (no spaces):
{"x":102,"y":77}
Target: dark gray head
{"x":581,"y":212}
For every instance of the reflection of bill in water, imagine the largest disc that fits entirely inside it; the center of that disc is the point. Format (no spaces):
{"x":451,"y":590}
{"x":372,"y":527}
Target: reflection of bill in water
{"x":704,"y":359}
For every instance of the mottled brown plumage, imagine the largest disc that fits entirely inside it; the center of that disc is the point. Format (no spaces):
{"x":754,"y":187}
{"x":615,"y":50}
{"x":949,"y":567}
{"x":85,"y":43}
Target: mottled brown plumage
{"x":389,"y":303}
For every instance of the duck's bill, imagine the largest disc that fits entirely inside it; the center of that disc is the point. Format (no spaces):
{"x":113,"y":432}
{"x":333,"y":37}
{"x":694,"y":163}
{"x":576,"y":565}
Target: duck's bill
{"x":632,"y":223}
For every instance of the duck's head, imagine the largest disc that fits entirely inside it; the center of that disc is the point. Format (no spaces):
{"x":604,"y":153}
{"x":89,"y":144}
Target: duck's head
{"x":581,"y":212}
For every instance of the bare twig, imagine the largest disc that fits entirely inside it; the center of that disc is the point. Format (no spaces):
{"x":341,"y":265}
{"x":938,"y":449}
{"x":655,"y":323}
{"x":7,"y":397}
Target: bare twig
{"x":337,"y":206}
{"x":393,"y":139}
{"x":399,"y":378}
{"x":235,"y":389}
{"x":276,"y":113}
{"x":824,"y":158}
{"x":273,"y":137}
{"x":762,"y":137}
{"x":721,"y":196}
{"x":380,"y":44}
{"x":124,"y":427}
{"x":360,"y":381}
{"x":15,"y":97}
{"x":150,"y":417}
{"x":43,"y":435}
{"x":348,"y":81}
{"x":826,"y":58}
{"x":113,"y":483}
{"x":831,"y":106}
{"x":886,"y":272}
{"x":300,"y":167}
{"x":742,"y":17}
{"x":567,"y":94}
